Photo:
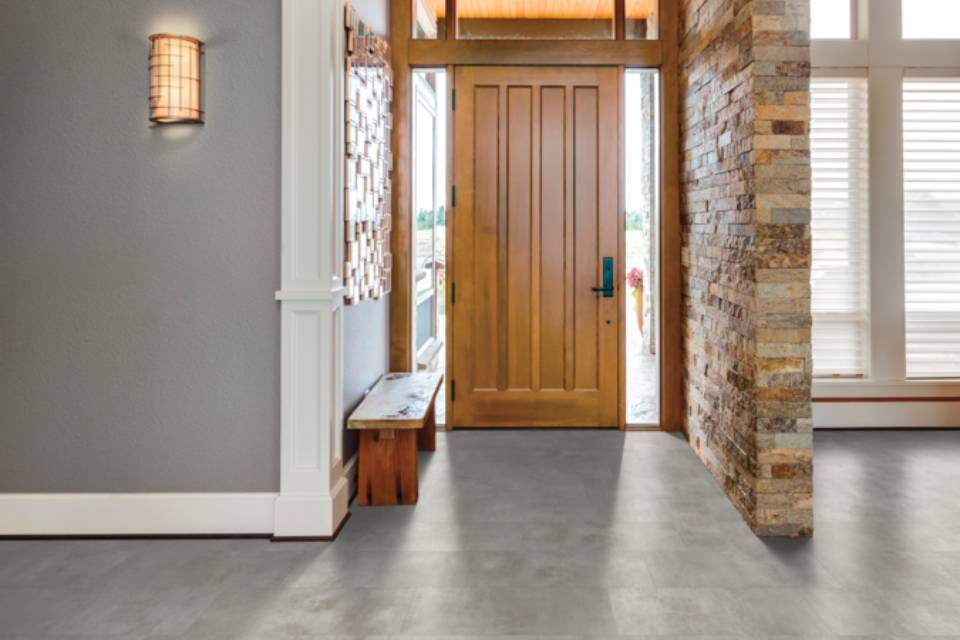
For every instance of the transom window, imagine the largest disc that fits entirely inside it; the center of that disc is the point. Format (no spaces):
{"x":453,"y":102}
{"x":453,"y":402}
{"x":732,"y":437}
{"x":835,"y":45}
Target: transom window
{"x":831,"y":19}
{"x":931,"y":19}
{"x":536,"y":19}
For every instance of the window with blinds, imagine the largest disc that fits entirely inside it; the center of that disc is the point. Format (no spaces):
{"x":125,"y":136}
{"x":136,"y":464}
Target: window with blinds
{"x":839,"y":135}
{"x":931,"y":154}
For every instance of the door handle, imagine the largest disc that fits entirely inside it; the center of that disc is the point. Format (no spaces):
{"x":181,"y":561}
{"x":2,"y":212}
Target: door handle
{"x":607,"y":289}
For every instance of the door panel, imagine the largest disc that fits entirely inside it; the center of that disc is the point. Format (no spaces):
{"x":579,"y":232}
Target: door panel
{"x":519,"y":254}
{"x":536,"y":170}
{"x":484,"y":239}
{"x":553,"y":302}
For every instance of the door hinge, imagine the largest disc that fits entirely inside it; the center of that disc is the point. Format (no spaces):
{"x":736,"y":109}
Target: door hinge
{"x":454,"y":100}
{"x":453,"y":197}
{"x":453,"y":391}
{"x":453,"y":293}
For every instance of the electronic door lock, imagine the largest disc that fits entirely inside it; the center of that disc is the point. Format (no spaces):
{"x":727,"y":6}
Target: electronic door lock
{"x":607,"y":289}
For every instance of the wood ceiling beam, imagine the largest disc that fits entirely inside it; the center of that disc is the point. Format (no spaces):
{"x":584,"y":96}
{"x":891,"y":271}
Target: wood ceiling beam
{"x":630,"y":53}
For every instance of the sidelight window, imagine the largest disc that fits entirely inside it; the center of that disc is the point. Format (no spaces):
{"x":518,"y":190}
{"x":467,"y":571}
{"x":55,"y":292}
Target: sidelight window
{"x":642,"y":247}
{"x":429,"y":216}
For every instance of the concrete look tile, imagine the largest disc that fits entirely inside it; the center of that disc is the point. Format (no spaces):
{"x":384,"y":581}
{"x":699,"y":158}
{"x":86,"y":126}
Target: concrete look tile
{"x":827,"y":611}
{"x":676,"y":612}
{"x":548,"y":612}
{"x":536,"y":535}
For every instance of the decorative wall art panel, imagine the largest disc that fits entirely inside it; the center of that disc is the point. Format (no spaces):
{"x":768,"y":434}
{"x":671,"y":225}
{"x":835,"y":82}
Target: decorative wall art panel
{"x":367,"y":268}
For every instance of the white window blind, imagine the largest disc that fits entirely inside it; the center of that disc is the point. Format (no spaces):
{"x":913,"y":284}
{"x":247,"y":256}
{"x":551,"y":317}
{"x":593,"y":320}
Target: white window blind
{"x":931,"y":139}
{"x":839,"y":135}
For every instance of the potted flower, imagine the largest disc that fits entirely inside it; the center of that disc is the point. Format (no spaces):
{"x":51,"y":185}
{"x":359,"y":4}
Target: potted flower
{"x":635,"y":282}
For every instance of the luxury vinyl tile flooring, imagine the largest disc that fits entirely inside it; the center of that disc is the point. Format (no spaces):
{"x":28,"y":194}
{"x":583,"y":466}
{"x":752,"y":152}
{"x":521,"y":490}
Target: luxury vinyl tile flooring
{"x":542,"y":533}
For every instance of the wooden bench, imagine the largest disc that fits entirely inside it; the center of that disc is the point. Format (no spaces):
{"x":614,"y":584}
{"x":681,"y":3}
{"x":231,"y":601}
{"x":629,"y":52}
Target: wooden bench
{"x":395,"y":420}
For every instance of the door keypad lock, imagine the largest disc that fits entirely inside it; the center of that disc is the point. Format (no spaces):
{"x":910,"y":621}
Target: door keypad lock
{"x":607,"y":289}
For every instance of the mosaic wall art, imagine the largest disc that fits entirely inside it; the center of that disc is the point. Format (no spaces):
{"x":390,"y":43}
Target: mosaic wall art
{"x":369,"y":162}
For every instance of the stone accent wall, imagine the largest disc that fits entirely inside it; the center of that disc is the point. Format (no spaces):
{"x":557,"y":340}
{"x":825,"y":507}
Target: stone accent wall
{"x":745,"y":67}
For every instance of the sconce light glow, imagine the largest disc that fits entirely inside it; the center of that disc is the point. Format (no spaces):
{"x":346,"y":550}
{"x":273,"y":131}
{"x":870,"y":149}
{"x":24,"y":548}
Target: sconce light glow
{"x":176,"y":79}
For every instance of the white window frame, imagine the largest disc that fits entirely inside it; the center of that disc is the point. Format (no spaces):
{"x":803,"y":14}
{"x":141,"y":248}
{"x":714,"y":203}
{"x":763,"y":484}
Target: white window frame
{"x":882,"y":55}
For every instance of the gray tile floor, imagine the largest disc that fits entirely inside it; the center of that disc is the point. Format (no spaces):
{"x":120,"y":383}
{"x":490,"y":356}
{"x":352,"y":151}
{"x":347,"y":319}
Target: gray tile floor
{"x":547,"y":533}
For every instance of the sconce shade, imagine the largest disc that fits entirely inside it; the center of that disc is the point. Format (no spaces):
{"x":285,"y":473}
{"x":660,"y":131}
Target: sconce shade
{"x":176,"y":79}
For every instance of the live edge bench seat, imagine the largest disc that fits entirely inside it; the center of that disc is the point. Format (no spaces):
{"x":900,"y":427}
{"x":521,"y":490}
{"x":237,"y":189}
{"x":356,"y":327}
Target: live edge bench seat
{"x":395,"y":420}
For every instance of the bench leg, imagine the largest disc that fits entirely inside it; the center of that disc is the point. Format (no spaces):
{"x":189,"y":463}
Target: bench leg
{"x":387,"y":471}
{"x":427,"y":436}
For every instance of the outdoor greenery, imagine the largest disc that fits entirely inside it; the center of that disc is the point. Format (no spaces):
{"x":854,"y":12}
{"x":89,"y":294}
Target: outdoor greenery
{"x":636,"y":221}
{"x":425,"y":219}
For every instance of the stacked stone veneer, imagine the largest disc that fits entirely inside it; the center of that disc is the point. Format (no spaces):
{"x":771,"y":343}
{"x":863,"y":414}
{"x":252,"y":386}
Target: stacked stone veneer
{"x":745,"y":185}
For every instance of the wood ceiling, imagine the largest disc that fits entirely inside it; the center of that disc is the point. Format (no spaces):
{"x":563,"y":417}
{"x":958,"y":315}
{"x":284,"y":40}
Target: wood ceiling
{"x":542,"y":9}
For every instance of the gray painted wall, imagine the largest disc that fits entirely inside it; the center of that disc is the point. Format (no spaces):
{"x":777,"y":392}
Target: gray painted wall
{"x":139,"y":339}
{"x":366,"y":329}
{"x":366,"y":356}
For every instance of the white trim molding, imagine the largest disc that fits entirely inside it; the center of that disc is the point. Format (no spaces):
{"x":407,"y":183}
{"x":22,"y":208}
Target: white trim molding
{"x":886,"y":414}
{"x":314,"y":493}
{"x":855,"y":404}
{"x":118,"y":514}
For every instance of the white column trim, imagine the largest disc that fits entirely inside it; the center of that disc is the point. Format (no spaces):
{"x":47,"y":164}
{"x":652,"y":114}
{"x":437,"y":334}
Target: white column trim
{"x":314,"y":493}
{"x":887,"y":313}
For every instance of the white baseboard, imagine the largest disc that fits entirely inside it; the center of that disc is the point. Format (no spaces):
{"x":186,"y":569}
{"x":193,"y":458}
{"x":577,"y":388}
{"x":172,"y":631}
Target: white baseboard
{"x":172,"y":514}
{"x":118,"y":514}
{"x":886,"y":415}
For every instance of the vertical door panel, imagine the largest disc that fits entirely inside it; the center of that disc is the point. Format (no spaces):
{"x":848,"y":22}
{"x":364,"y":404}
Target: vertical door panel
{"x":486,"y":237}
{"x":518,"y":236}
{"x":552,"y":237}
{"x":587,"y":257}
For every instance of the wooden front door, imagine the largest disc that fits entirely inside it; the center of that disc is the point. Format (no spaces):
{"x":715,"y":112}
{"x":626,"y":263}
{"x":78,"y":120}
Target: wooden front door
{"x":536,"y":166}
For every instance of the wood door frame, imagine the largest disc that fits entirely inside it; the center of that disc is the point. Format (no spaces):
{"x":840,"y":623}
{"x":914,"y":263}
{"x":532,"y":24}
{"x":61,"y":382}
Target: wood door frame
{"x":662,"y":54}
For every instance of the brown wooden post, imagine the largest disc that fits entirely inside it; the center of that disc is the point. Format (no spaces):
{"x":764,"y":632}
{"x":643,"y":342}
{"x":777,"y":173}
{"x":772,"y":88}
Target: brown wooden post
{"x":671,"y":321}
{"x":620,"y":19}
{"x":452,"y":30}
{"x":401,"y":297}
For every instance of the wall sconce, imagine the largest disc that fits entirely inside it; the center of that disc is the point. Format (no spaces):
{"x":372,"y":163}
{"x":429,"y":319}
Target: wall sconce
{"x":176,"y":79}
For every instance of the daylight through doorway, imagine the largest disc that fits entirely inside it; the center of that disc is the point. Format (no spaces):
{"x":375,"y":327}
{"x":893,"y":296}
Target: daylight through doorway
{"x":642,"y":241}
{"x":429,"y":223}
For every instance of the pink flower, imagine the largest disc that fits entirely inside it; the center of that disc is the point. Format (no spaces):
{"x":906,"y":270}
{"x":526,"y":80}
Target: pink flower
{"x":635,"y":279}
